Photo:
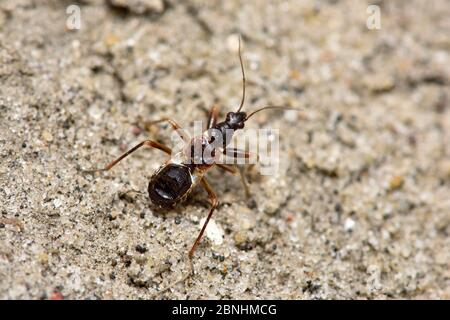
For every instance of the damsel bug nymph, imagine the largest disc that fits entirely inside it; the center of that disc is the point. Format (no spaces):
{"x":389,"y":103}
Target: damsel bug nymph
{"x":174,"y":180}
{"x":186,"y":168}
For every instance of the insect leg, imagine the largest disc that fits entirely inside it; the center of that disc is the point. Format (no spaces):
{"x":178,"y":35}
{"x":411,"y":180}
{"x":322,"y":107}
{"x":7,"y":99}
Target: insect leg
{"x":244,"y":181}
{"x":149,"y":143}
{"x":214,"y":203}
{"x":234,"y":170}
{"x":212,"y":117}
{"x":229,"y":168}
{"x":237,"y":153}
{"x":175,"y":126}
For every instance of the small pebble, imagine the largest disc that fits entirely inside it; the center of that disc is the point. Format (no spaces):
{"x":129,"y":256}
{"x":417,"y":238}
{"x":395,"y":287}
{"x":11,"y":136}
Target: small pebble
{"x":213,"y":232}
{"x":379,"y":83}
{"x":56,"y":296}
{"x":43,"y":258}
{"x":47,"y":136}
{"x":444,"y":167}
{"x":113,"y":215}
{"x":111,"y":40}
{"x":141,"y":248}
{"x":233,"y":43}
{"x":349,"y":224}
{"x":140,"y":6}
{"x":239,"y":238}
{"x":57,"y":203}
{"x":396,"y":182}
{"x":123,"y":147}
{"x":136,"y":130}
{"x":291,"y":115}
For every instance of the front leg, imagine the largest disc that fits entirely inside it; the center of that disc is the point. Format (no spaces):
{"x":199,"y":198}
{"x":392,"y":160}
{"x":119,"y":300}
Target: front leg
{"x":212,"y":117}
{"x":175,"y":126}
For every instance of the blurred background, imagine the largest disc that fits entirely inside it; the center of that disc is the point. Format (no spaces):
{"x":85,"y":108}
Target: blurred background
{"x":360,"y":208}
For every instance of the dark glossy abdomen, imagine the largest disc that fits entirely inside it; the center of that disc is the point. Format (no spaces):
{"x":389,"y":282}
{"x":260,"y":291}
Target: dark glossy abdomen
{"x":169,"y":185}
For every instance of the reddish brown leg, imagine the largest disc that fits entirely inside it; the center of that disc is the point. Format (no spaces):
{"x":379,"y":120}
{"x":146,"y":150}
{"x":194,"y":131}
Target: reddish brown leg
{"x":233,"y":169}
{"x":212,"y":117}
{"x":214,"y":203}
{"x":244,"y":181}
{"x":228,"y":168}
{"x":149,"y":143}
{"x":174,"y":125}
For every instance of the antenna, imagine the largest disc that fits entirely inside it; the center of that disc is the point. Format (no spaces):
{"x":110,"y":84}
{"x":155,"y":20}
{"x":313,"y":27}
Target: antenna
{"x":243,"y":76}
{"x":270,"y":107}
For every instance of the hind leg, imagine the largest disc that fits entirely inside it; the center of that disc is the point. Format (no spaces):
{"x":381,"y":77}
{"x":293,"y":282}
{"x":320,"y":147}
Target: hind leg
{"x":214,"y":203}
{"x":233,"y":169}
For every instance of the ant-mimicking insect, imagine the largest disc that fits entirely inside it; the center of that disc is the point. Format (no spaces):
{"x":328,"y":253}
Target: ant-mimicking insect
{"x":177,"y":177}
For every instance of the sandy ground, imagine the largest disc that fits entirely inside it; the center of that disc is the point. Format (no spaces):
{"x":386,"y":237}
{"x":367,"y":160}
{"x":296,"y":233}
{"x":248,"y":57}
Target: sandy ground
{"x":360,"y":207}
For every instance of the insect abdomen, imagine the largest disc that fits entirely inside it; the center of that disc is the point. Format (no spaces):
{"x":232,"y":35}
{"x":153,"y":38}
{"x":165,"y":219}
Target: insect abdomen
{"x":170,"y":185}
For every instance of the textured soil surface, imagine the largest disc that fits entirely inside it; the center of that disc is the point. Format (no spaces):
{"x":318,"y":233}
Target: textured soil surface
{"x":360,"y":206}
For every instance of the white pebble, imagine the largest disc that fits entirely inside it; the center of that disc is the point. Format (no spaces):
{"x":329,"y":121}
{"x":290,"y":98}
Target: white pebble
{"x":349,"y":224}
{"x":213,"y":232}
{"x":291,"y":115}
{"x":233,"y":42}
{"x":47,"y":136}
{"x":57,"y":203}
{"x":95,"y":112}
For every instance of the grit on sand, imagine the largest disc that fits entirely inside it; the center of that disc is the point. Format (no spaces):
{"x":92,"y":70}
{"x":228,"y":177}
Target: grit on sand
{"x":360,"y":206}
